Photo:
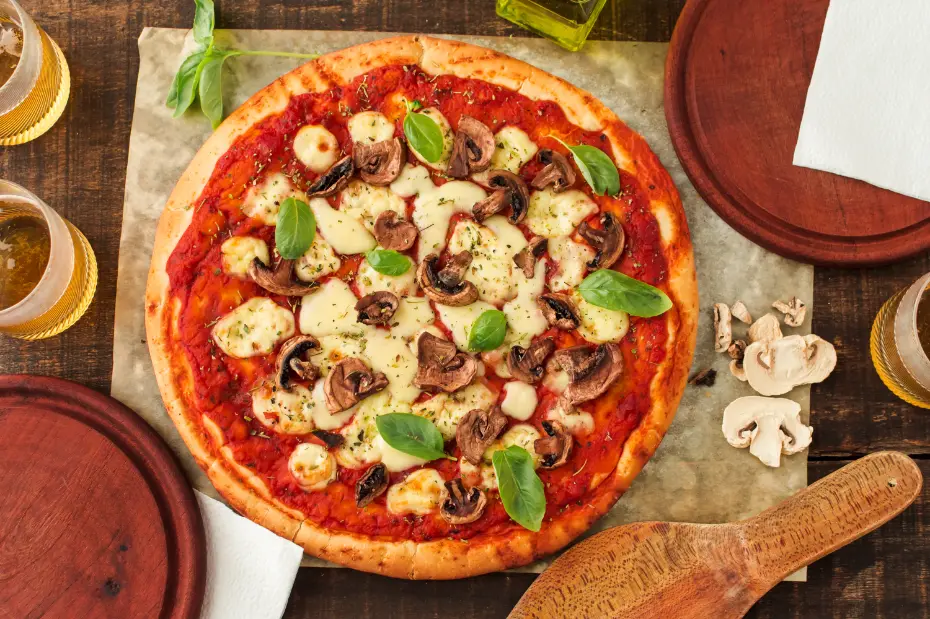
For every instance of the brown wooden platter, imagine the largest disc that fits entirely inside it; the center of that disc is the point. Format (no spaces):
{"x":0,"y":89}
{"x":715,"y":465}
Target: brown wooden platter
{"x":736,"y":81}
{"x":96,"y":517}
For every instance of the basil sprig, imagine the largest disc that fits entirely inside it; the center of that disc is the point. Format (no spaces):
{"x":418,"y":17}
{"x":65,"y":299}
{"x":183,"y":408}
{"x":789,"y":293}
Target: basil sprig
{"x":615,"y":291}
{"x":596,"y":168}
{"x":422,"y":132}
{"x":412,"y":435}
{"x":388,"y":262}
{"x":296,"y":227}
{"x":488,"y":330}
{"x":201,"y":74}
{"x":520,"y":488}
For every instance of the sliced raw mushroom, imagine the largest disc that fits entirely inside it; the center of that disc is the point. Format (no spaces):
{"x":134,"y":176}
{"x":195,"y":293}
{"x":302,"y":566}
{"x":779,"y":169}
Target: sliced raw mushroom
{"x":737,"y":369}
{"x":290,"y":359}
{"x":608,"y":240}
{"x":591,"y":370}
{"x":477,"y":430}
{"x":333,"y":180}
{"x":526,"y":258}
{"x":440,"y":365}
{"x":765,"y":329}
{"x":559,"y":310}
{"x":379,"y":163}
{"x":741,"y":312}
{"x":510,"y":192}
{"x":371,"y":485}
{"x":447,"y":285}
{"x":377,"y":308}
{"x":330,"y":439}
{"x":391,"y":232}
{"x":777,"y":367}
{"x":770,"y":427}
{"x":794,"y":310}
{"x":349,"y":382}
{"x":462,"y":505}
{"x":279,"y":280}
{"x":558,"y":172}
{"x":555,"y":447}
{"x":529,"y":364}
{"x":723,"y":334}
{"x":472,"y":148}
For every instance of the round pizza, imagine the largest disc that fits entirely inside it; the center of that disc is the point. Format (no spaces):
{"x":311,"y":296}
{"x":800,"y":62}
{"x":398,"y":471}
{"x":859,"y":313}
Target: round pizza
{"x":422,"y":308}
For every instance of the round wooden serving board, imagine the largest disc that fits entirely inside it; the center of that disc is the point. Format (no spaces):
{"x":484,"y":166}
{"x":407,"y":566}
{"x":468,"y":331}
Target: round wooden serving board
{"x":736,"y":81}
{"x":96,"y":518}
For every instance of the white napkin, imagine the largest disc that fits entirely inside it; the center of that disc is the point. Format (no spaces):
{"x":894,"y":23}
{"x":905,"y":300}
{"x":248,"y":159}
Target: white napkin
{"x":867,"y":114}
{"x":250,"y":570}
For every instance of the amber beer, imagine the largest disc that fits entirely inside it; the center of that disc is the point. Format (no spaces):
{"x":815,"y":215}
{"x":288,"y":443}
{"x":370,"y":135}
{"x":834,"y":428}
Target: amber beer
{"x":48,"y":272}
{"x":34,"y":77}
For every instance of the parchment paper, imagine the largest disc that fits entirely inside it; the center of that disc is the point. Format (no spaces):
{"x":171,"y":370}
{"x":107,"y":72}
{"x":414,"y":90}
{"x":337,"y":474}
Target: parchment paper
{"x":695,"y":476}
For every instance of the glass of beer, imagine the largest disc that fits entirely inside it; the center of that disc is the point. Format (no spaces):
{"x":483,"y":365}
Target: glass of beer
{"x":900,"y":343}
{"x":34,"y":77}
{"x":48,"y":272}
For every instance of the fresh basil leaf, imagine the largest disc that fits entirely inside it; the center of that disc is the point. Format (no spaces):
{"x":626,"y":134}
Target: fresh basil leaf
{"x":488,"y":330}
{"x":596,"y":167}
{"x":520,"y":488}
{"x":184,"y":87}
{"x":204,"y":19}
{"x":423,"y":135}
{"x":616,"y":291}
{"x":295,"y":229}
{"x":388,"y":262}
{"x":412,"y":435}
{"x":211,"y":85}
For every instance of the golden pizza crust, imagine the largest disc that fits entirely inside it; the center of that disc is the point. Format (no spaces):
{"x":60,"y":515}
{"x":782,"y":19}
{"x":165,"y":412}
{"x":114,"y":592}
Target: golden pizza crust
{"x":439,"y":559}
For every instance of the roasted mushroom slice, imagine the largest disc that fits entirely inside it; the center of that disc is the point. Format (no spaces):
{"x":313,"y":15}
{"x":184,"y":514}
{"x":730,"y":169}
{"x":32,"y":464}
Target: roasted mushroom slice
{"x":333,"y":180}
{"x":472,"y":148}
{"x":462,"y":505}
{"x":394,"y":233}
{"x":447,"y":285}
{"x":279,"y":280}
{"x":290,"y":359}
{"x":379,"y":163}
{"x":377,"y":308}
{"x":440,"y":365}
{"x":349,"y":382}
{"x":330,"y":439}
{"x":529,"y":364}
{"x":477,"y":430}
{"x":558,"y":172}
{"x":608,"y":240}
{"x":591,"y":370}
{"x":510,"y":192}
{"x":527,"y":257}
{"x":371,"y":485}
{"x":559,"y":310}
{"x":555,"y":447}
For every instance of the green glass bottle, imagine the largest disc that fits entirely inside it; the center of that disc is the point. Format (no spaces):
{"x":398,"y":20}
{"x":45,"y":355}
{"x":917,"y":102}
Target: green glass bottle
{"x":567,"y":22}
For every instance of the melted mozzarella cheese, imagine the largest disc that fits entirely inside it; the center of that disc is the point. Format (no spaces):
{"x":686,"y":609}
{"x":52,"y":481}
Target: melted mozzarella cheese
{"x":600,"y":325}
{"x":553,"y":214}
{"x":447,"y":136}
{"x":396,"y":460}
{"x":519,"y":400}
{"x":420,"y":493}
{"x":492,"y":246}
{"x":413,"y":180}
{"x":312,"y":466}
{"x":287,"y":412}
{"x":555,"y":379}
{"x":368,"y":280}
{"x":254,"y":328}
{"x":525,"y":319}
{"x":446,"y":410}
{"x":512,"y":149}
{"x":434,"y":209}
{"x":360,"y":447}
{"x":576,"y":422}
{"x":239,"y":252}
{"x":413,"y":313}
{"x":345,"y":233}
{"x":331,"y":311}
{"x":392,"y":356}
{"x":335,"y":348}
{"x":316,"y":148}
{"x":370,"y":127}
{"x":322,"y":417}
{"x":317,"y":261}
{"x":263,"y":201}
{"x":572,"y":259}
{"x":459,"y":320}
{"x":366,"y":202}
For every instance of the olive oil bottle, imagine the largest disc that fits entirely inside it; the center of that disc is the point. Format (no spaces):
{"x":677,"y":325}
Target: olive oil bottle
{"x":567,"y":22}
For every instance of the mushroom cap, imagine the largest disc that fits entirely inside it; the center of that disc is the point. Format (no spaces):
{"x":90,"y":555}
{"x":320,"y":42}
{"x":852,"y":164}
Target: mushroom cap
{"x":557,"y":172}
{"x":777,"y":367}
{"x":555,"y":447}
{"x":333,"y":180}
{"x":290,"y":360}
{"x":391,"y":232}
{"x":511,"y":192}
{"x":447,"y":285}
{"x":472,"y":148}
{"x":591,"y":370}
{"x":765,"y":329}
{"x":371,"y":485}
{"x":440,"y":365}
{"x":768,"y":426}
{"x":529,"y":364}
{"x":280,"y":279}
{"x":526,"y":258}
{"x":608,"y":240}
{"x":559,"y":310}
{"x":460,"y":504}
{"x":377,"y":308}
{"x":477,"y":430}
{"x":349,"y":382}
{"x":379,"y":163}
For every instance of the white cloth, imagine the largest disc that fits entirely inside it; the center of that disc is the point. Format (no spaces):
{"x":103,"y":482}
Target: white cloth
{"x":250,"y":570}
{"x":867,"y":114}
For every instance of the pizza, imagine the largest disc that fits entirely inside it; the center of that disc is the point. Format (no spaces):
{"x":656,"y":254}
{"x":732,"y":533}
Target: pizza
{"x":422,"y":308}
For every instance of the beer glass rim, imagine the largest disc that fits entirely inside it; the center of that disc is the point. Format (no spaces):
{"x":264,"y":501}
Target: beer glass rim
{"x":905,"y":332}
{"x":27,"y":70}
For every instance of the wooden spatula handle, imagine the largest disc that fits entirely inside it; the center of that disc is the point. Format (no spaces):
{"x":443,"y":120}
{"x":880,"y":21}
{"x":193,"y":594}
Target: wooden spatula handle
{"x":829,"y":514}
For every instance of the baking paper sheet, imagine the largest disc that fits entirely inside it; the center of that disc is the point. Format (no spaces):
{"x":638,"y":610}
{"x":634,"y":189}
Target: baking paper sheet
{"x":695,"y":476}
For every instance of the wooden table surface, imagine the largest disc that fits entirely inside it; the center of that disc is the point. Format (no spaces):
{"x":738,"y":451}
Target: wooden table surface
{"x":79,"y":168}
